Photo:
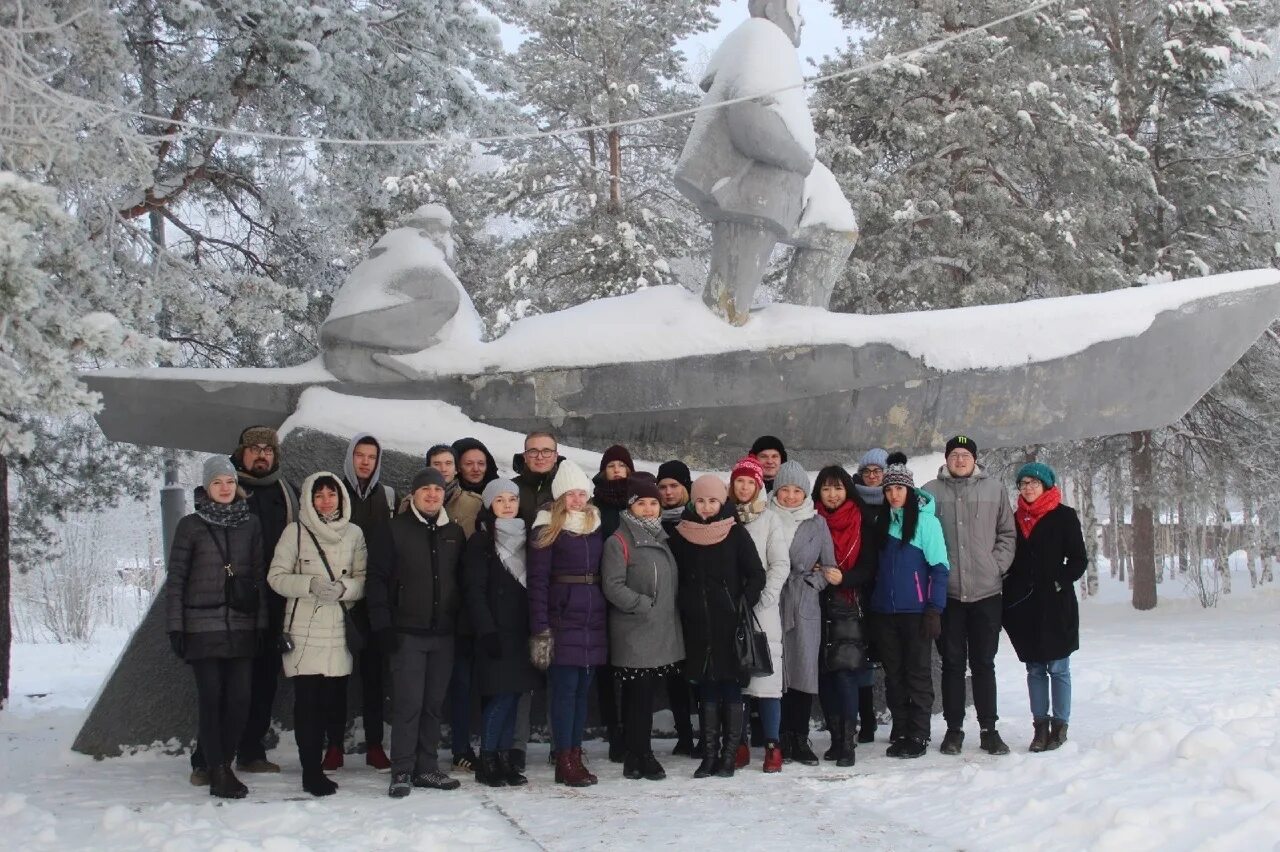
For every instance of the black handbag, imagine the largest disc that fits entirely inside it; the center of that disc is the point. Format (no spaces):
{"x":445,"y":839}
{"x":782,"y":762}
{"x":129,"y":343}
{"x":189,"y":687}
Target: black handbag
{"x":239,"y":592}
{"x":357,"y":636}
{"x":844,"y":643}
{"x":751,"y":643}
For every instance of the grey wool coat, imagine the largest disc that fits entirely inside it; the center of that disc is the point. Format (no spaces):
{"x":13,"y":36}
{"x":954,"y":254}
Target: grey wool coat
{"x":640,"y":576}
{"x":801,"y":608}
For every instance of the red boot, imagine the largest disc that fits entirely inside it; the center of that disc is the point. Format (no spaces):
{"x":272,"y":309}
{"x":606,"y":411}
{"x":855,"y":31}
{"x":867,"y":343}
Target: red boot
{"x":772,"y":758}
{"x":569,"y":771}
{"x":742,"y":756}
{"x":577,"y":758}
{"x":332,"y":759}
{"x":377,"y":758}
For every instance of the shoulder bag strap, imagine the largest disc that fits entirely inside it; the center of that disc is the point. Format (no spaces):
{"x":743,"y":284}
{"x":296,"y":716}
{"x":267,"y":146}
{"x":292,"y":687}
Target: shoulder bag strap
{"x":222,"y":549}
{"x":323,"y":559}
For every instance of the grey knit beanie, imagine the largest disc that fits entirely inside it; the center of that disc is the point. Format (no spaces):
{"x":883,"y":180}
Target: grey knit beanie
{"x":496,"y":487}
{"x":874,"y":457}
{"x":791,"y":473}
{"x":216,"y":466}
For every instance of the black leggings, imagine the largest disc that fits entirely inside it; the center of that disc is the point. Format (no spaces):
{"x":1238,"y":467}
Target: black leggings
{"x":222,"y":690}
{"x":313,"y":700}
{"x":797,"y":707}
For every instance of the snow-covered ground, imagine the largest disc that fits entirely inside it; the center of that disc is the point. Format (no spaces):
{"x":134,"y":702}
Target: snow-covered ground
{"x":1174,"y":744}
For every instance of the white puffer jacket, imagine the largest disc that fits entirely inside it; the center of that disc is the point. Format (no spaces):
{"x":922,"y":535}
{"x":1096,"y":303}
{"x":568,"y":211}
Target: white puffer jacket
{"x":771,"y":543}
{"x":317,"y":629}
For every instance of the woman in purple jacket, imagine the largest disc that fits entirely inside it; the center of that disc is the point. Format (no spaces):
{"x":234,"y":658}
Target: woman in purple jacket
{"x":567,"y":612}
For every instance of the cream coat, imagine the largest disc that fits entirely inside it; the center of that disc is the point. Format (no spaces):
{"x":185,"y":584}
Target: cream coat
{"x":317,"y":629}
{"x":771,"y":543}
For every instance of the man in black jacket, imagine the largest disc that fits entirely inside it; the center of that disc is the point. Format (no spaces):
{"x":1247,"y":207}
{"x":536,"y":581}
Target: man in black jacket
{"x":535,"y":469}
{"x":414,"y":596}
{"x":275,"y":502}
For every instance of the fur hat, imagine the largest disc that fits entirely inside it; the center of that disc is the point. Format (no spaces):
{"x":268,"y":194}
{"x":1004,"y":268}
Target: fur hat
{"x":677,"y":470}
{"x":569,"y":477}
{"x":709,"y":485}
{"x":426,"y":476}
{"x":748,"y":466}
{"x":617,"y":453}
{"x":496,"y":487}
{"x":216,"y":466}
{"x":768,"y":442}
{"x":1037,"y":470}
{"x":962,"y":442}
{"x":875,"y":457}
{"x":259,"y":435}
{"x":792,"y":473}
{"x":640,"y":486}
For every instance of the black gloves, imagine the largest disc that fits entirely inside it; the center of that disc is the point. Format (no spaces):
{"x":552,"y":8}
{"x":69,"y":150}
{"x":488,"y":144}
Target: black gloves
{"x":491,"y":644}
{"x":178,"y":642}
{"x":931,"y":624}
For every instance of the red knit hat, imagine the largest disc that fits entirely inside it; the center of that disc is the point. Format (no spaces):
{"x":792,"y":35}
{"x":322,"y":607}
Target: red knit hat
{"x":617,"y":453}
{"x":748,"y":466}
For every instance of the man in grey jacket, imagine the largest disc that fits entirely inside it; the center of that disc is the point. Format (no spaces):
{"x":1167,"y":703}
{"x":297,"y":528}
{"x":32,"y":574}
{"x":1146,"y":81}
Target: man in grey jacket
{"x":977,"y":522}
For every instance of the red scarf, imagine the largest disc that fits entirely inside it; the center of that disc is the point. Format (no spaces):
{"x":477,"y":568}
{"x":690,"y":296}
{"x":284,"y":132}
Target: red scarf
{"x":1029,"y":514}
{"x":845,"y":524}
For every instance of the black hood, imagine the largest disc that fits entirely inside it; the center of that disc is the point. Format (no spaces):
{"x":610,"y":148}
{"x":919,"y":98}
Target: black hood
{"x":463,"y":445}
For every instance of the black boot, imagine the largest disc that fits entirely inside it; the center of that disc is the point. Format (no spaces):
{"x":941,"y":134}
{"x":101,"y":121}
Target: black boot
{"x":731,"y":719}
{"x":866,"y":714}
{"x":631,"y":767}
{"x":315,"y":782}
{"x":801,"y":750}
{"x":617,"y":745}
{"x":224,"y":785}
{"x":487,"y":771}
{"x":835,"y":727}
{"x":709,"y":722}
{"x":848,"y":744}
{"x":650,"y":768}
{"x":508,"y":771}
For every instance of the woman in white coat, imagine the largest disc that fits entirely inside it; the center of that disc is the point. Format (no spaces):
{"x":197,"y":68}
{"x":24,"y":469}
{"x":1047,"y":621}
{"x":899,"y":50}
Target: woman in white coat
{"x":750,"y":502}
{"x":318,"y":567}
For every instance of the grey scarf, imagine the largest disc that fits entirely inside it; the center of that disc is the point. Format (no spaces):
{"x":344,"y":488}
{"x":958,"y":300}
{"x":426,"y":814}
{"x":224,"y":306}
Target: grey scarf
{"x":509,"y":539}
{"x":653,"y":526}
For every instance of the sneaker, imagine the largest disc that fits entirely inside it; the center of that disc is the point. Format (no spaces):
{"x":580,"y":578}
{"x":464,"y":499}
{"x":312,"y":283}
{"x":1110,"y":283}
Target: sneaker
{"x":401,"y":785}
{"x":991,"y":743}
{"x":952,"y":742}
{"x":261,"y":765}
{"x":910,"y":747}
{"x":436,"y":780}
{"x":377,"y":758}
{"x":465,"y":760}
{"x":333,"y":758}
{"x":199,"y":777}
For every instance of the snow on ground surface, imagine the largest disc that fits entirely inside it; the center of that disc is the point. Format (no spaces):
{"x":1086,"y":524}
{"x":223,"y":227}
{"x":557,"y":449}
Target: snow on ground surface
{"x":1174,"y":744}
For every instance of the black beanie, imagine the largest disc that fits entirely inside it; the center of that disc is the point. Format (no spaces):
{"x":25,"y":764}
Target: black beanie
{"x":962,"y":442}
{"x":641,"y":486}
{"x":677,"y":470}
{"x":427,"y":476}
{"x":768,"y":442}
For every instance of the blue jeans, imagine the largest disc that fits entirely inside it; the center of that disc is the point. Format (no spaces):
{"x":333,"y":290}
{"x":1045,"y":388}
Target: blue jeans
{"x":1046,"y":679}
{"x":770,"y":717}
{"x":720,"y":691}
{"x":499,"y":718}
{"x":569,"y":690}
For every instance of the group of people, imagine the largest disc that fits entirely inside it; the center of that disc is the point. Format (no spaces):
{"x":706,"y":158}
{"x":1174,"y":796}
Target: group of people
{"x":633,"y":582}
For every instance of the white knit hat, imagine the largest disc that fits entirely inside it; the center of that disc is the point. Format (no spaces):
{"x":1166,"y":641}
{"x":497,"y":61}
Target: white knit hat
{"x":569,"y":477}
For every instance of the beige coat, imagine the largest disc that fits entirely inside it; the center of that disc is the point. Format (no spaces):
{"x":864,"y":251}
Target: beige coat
{"x":317,"y":629}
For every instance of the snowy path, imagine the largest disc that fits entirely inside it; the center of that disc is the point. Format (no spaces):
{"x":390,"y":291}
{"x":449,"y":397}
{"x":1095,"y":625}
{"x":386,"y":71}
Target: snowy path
{"x":1175,"y":744}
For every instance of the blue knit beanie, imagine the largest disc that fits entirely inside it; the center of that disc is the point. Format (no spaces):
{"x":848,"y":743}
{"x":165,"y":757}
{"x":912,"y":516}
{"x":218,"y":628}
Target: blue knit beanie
{"x":877,"y":457}
{"x":1037,"y":470}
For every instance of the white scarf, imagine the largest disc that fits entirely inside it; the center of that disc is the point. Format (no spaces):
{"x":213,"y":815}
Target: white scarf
{"x":509,"y":540}
{"x":579,"y":523}
{"x":442,"y":517}
{"x":791,"y":519}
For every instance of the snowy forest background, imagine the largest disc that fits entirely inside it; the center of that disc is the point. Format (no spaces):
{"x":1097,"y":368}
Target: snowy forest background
{"x":1087,"y":147}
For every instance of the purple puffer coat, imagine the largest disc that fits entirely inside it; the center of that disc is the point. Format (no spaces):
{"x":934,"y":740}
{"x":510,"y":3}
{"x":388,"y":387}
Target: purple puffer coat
{"x":575,"y":612}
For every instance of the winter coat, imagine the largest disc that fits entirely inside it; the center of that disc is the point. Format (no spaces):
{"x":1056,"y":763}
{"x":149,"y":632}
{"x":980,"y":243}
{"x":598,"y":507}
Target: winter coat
{"x":413,"y":575}
{"x":640,"y":582}
{"x":195,"y":588}
{"x":846,"y":644}
{"x":912,"y":576}
{"x":977,"y":522}
{"x":463,"y":508}
{"x":275,"y":502}
{"x":535,"y":488}
{"x":771,"y":546}
{"x":318,"y":630}
{"x":712,"y":579}
{"x":499,"y":604}
{"x":573,"y":612}
{"x":801,"y":606}
{"x":1041,"y":614}
{"x":372,"y":512}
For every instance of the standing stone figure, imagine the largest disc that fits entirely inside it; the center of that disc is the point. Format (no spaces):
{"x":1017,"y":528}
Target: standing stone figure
{"x":750,"y":169}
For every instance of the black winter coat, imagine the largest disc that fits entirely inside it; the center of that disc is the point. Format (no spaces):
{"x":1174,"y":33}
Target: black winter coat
{"x":195,"y":590}
{"x":274,"y":511}
{"x":846,"y":644}
{"x":1041,"y":614}
{"x":535,"y":488}
{"x":712,"y":579}
{"x":412,"y":583}
{"x":497,"y":604}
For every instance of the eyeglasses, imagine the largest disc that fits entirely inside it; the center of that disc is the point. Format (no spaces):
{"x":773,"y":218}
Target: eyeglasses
{"x":263,"y":449}
{"x":1027,"y":483}
{"x":535,"y":453}
{"x":873,"y":470}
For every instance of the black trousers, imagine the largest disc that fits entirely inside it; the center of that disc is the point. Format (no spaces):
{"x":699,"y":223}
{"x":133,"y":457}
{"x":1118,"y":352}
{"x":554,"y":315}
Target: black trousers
{"x":637,"y":710}
{"x":222,"y":693}
{"x":607,"y":697}
{"x":907,"y":658}
{"x":797,"y":708}
{"x":970,"y":636}
{"x":313,"y":700}
{"x":371,"y":665}
{"x":680,"y":697}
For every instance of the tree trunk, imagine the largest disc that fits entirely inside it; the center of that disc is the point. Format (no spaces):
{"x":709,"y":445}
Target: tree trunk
{"x":1141,"y":469}
{"x":1089,"y":520}
{"x":615,"y":171}
{"x":1252,"y":549}
{"x":1115,"y":517}
{"x":1222,"y":541}
{"x":6,"y":618}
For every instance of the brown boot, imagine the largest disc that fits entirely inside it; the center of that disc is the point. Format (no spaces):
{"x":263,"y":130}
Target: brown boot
{"x":569,"y":772}
{"x":576,"y":755}
{"x":1057,"y":735}
{"x":1040,"y":739}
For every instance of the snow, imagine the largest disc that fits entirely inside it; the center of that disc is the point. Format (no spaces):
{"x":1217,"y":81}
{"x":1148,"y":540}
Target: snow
{"x":1173,"y":746}
{"x":624,"y":328}
{"x":306,"y":373}
{"x":824,"y":203}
